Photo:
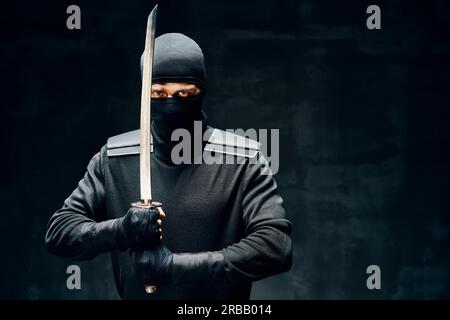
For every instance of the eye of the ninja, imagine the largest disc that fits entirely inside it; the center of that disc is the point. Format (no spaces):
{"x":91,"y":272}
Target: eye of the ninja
{"x":184,"y":93}
{"x":159,"y":94}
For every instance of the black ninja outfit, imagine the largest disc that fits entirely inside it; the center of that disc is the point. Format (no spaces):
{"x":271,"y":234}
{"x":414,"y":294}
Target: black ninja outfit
{"x":226,"y":220}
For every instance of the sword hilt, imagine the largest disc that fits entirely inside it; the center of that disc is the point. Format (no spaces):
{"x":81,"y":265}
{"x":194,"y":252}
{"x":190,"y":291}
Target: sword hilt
{"x":148,"y":204}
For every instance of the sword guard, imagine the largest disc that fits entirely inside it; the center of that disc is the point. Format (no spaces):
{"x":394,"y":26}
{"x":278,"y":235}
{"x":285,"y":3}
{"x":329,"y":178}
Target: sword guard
{"x":149,"y":204}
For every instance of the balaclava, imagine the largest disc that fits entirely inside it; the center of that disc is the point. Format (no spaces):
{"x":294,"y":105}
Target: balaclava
{"x":177,"y":58}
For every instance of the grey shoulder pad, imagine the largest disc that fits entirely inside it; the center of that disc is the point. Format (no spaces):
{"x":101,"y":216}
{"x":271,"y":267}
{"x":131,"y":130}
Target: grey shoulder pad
{"x":230,"y":143}
{"x":124,"y":144}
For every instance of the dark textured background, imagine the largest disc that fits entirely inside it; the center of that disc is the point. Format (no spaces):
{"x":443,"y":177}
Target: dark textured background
{"x":363,"y":118}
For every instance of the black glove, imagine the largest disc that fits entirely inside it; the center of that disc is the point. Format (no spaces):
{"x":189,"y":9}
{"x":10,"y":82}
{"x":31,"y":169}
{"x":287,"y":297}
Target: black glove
{"x":139,"y":228}
{"x":154,"y":266}
{"x":161,"y":266}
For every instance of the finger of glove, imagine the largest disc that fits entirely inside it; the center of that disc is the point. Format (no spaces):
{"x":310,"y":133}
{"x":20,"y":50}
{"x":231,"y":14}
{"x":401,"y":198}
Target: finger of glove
{"x":151,"y":233}
{"x":154,"y":214}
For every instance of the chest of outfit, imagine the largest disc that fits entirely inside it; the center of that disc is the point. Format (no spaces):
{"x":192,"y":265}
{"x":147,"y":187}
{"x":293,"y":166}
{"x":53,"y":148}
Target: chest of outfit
{"x":202,"y":202}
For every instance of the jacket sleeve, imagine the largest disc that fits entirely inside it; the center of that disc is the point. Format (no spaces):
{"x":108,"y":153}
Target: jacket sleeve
{"x":75,"y":231}
{"x":266,"y":248}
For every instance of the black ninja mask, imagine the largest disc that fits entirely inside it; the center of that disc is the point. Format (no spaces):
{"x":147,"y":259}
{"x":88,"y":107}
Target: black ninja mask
{"x":178,"y":59}
{"x":177,"y":112}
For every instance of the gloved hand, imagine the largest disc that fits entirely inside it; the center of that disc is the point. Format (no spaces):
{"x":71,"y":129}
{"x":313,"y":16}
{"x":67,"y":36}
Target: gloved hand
{"x":140,"y":228}
{"x":160,"y":266}
{"x":154,"y":266}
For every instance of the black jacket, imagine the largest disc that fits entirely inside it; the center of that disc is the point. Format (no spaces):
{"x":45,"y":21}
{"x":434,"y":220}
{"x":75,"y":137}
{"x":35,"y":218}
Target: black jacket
{"x":229,"y":208}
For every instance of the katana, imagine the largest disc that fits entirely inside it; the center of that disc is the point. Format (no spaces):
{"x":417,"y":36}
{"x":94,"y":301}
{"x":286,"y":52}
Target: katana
{"x":145,"y":172}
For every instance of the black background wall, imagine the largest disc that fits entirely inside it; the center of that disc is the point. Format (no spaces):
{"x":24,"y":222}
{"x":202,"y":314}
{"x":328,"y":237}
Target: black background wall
{"x":363,"y":118}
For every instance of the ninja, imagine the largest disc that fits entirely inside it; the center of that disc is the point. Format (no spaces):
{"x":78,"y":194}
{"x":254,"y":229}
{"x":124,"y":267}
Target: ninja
{"x":221,"y":227}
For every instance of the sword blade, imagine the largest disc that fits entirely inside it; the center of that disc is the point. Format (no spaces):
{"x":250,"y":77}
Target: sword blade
{"x":145,"y":158}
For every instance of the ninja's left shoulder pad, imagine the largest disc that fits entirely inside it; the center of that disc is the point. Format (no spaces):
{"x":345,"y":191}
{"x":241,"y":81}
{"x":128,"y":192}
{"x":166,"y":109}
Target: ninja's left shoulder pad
{"x":230,"y":143}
